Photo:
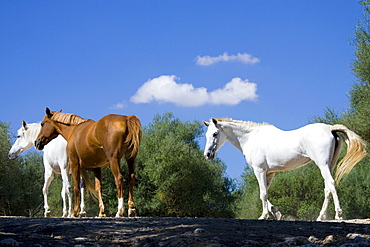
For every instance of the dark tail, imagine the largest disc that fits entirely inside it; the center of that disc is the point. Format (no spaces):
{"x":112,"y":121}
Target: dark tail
{"x":356,"y":150}
{"x":90,"y":187}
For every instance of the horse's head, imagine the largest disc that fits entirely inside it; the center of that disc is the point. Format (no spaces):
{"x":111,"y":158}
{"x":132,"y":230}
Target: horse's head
{"x":24,"y":141}
{"x":216,"y":137}
{"x":48,"y":131}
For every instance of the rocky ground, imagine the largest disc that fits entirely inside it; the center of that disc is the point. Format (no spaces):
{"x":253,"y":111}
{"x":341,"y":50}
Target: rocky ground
{"x":22,"y":231}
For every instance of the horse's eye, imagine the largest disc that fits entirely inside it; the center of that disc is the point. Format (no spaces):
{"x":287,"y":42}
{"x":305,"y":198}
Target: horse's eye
{"x":42,"y":124}
{"x":215,"y":134}
{"x":18,"y":136}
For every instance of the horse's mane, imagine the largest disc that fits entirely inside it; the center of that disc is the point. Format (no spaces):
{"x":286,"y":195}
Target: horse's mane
{"x":33,"y":129}
{"x":247,"y":124}
{"x":67,"y":118}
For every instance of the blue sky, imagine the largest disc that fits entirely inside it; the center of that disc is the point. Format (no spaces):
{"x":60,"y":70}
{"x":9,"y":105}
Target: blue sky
{"x":275,"y":61}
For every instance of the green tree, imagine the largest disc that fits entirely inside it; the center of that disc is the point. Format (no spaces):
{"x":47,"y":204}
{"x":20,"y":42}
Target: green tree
{"x":174,"y":179}
{"x":32,"y":174}
{"x":8,"y":172}
{"x":357,"y":115}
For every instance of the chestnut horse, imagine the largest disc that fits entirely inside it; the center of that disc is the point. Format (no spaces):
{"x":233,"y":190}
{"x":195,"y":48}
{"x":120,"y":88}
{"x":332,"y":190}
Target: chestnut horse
{"x":95,"y":144}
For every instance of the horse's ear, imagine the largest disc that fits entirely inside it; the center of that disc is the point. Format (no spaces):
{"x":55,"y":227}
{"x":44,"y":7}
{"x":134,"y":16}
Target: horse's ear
{"x":60,"y":110}
{"x":24,"y":124}
{"x":214,"y":120}
{"x":205,"y":123}
{"x":48,"y":112}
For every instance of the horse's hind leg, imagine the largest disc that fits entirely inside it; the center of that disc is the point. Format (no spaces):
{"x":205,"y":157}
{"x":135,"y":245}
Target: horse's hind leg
{"x":131,"y":174}
{"x":272,"y":209}
{"x":322,"y":215}
{"x":329,"y":189}
{"x":98,"y":188}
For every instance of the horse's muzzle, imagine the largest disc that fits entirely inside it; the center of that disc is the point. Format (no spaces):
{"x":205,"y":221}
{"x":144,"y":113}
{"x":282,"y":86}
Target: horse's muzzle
{"x":39,"y":145}
{"x":209,"y":156}
{"x":13,"y":155}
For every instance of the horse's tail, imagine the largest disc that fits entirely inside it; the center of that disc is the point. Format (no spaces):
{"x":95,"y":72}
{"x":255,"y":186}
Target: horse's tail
{"x":356,"y":150}
{"x":89,"y":185}
{"x":134,"y":135}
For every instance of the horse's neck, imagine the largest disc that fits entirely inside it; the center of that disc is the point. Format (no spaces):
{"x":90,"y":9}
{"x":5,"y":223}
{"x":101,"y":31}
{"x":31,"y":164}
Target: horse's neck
{"x":237,"y":134}
{"x":65,"y":130}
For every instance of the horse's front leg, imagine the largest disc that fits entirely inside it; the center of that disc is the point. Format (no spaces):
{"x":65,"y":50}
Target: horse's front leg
{"x":76,"y":186}
{"x":48,"y":177}
{"x":98,"y":189}
{"x":66,"y":191}
{"x":262,"y":182}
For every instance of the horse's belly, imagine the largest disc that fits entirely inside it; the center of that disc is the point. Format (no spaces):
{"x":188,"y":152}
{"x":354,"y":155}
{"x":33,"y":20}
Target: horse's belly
{"x":286,"y":163}
{"x":93,"y":159}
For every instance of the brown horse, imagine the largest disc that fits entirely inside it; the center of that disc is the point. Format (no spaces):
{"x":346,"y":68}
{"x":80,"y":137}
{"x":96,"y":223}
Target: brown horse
{"x":92,"y":145}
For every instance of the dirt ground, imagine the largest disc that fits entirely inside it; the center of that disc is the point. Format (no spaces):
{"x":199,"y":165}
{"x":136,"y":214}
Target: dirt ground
{"x":22,"y":231}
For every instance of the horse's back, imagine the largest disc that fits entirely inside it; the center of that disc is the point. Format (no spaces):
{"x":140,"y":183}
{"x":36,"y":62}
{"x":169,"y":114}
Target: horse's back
{"x":311,"y":136}
{"x":112,"y":125}
{"x":288,"y":150}
{"x":316,"y":133}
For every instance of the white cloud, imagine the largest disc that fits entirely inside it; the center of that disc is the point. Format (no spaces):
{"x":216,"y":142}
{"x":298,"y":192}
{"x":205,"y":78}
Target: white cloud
{"x":234,"y":92}
{"x":240,"y":57}
{"x":165,"y":89}
{"x":119,"y":106}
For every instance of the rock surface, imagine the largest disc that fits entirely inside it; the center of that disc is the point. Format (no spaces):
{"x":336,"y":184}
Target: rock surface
{"x":140,"y":232}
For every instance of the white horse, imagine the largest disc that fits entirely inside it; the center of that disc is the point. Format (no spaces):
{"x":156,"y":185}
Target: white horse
{"x":55,"y":163}
{"x":269,"y":150}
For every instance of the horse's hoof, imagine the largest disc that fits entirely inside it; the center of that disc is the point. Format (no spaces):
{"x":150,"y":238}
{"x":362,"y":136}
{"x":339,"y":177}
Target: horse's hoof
{"x":131,"y":212}
{"x":278,"y":215}
{"x":338,"y":218}
{"x":83,"y":214}
{"x":47,"y":214}
{"x":321,"y":218}
{"x":75,"y":215}
{"x":338,"y":215}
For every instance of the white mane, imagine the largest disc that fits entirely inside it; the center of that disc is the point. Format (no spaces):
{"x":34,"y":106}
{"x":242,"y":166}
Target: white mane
{"x":31,"y":132}
{"x":246,"y":125}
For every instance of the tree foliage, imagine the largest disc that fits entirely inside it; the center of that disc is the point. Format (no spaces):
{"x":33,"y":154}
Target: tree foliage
{"x":173,"y":177}
{"x":357,"y":115}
